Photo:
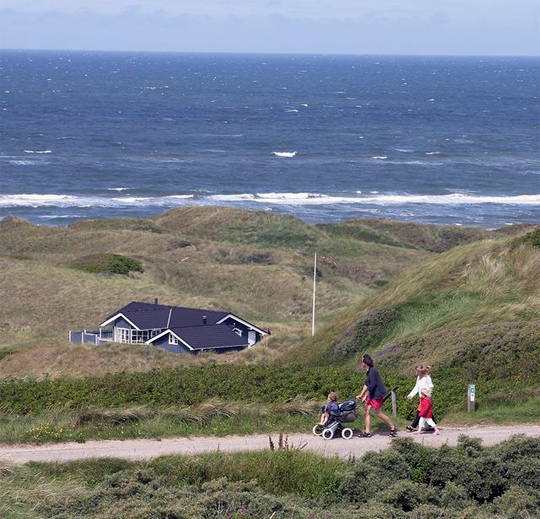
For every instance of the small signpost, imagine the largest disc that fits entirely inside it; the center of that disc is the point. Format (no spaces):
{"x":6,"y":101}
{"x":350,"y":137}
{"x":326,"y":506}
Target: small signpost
{"x":394,"y":403}
{"x":471,"y":398}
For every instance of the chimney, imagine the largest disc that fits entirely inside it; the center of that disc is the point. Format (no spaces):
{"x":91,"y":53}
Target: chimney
{"x":155,"y":300}
{"x":204,"y":319}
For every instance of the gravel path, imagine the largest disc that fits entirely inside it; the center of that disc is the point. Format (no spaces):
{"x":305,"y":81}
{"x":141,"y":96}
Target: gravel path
{"x":145,"y":449}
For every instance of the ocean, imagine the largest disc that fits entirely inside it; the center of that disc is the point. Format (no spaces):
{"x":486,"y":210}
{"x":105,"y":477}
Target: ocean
{"x":439,"y":140}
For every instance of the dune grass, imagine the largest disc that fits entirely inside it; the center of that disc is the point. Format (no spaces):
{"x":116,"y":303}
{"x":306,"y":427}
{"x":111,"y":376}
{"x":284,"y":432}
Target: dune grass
{"x":255,"y":264}
{"x":481,"y":284}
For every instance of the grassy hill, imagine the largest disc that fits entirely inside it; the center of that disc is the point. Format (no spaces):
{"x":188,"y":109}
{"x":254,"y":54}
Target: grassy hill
{"x":473,"y":313}
{"x":256,"y":264}
{"x":466,"y":301}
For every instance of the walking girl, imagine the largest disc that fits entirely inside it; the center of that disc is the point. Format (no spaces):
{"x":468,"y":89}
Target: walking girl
{"x":425,"y":409}
{"x":423,"y":380}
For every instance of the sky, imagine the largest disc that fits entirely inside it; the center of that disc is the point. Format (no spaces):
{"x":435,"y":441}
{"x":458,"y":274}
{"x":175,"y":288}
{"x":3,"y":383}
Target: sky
{"x":400,"y":27}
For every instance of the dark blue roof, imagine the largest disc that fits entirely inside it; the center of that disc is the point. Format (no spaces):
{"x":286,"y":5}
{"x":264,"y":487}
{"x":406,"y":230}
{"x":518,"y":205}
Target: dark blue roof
{"x":148,"y":316}
{"x":212,"y":336}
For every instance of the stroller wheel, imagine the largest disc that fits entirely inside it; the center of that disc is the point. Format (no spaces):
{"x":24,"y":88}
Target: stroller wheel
{"x":318,"y":430}
{"x":328,"y":434}
{"x":347,"y":433}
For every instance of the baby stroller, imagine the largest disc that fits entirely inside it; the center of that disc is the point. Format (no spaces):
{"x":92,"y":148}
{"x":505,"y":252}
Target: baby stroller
{"x":334,"y":425}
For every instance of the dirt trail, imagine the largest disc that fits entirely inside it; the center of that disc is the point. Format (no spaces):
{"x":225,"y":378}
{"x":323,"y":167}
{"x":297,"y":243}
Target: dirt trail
{"x":145,"y":449}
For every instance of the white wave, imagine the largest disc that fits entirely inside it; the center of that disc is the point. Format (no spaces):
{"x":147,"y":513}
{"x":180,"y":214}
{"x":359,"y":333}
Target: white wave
{"x":58,"y":216}
{"x":22,"y":162}
{"x":288,"y":196}
{"x":117,"y":188}
{"x":377,"y":199}
{"x":455,"y":199}
{"x":405,"y":150}
{"x":292,"y":110}
{"x":38,"y":151}
{"x":304,"y":104}
{"x":379,"y":158}
{"x":433,"y":152}
{"x":287,"y":154}
{"x":233,"y":198}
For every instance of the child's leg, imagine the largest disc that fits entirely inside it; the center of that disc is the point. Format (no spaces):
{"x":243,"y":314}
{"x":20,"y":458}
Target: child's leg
{"x":421,"y":424}
{"x":431,"y":423}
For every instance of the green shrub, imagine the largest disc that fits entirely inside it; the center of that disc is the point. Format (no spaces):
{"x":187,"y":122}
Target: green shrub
{"x":375,"y":471}
{"x":485,"y":479}
{"x":517,"y":503}
{"x":418,"y":458}
{"x":446,"y":466}
{"x":367,"y":332}
{"x":108,"y":264}
{"x":454,"y":496}
{"x":406,"y":495}
{"x":533,"y":238}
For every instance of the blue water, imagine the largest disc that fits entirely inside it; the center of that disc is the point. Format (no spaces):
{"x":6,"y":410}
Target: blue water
{"x":326,"y":138}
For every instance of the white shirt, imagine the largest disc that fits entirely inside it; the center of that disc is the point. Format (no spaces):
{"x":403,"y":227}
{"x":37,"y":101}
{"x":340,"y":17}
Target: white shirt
{"x":423,"y":383}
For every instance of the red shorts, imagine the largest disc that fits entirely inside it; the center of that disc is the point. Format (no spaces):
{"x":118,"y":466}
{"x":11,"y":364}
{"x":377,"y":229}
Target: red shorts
{"x":375,"y":403}
{"x":426,"y":407}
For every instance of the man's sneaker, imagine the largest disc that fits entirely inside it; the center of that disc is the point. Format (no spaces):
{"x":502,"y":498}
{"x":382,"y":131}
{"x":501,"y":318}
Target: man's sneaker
{"x":393,"y":432}
{"x":364,"y":435}
{"x":409,"y":428}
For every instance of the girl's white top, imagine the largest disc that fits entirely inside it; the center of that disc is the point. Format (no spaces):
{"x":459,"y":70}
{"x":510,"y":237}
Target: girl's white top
{"x":422,"y":384}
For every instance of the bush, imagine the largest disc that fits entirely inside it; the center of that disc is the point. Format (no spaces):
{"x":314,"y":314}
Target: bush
{"x":108,"y":264}
{"x":367,"y":332}
{"x":517,"y":503}
{"x":375,"y":471}
{"x":533,"y":238}
{"x":486,"y":478}
{"x":406,"y":495}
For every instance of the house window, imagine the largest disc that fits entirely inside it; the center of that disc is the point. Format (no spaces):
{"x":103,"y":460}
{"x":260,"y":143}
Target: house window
{"x":123,"y":335}
{"x":173,"y":339}
{"x":140,"y":336}
{"x":237,"y":331}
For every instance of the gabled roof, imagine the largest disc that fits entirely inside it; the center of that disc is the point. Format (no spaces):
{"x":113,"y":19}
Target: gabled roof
{"x":206,"y":337}
{"x":147,"y":316}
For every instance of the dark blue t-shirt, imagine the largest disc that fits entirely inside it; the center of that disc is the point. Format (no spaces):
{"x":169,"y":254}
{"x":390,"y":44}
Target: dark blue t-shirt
{"x":375,"y":384}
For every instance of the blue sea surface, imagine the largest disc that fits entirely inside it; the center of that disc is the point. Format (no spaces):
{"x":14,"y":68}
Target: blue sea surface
{"x":439,"y":140}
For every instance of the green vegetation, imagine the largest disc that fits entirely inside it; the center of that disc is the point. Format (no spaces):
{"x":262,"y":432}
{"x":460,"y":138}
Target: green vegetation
{"x":407,"y":481}
{"x":108,"y":264}
{"x":465,"y":301}
{"x":255,"y":264}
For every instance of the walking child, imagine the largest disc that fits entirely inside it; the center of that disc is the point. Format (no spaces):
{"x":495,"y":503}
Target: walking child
{"x":423,"y":381}
{"x":425,"y":409}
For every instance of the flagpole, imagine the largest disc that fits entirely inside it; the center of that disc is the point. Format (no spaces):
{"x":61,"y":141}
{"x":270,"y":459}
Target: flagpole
{"x":314,"y":285}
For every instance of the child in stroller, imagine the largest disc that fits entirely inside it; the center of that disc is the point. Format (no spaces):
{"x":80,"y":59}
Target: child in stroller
{"x":333,"y":417}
